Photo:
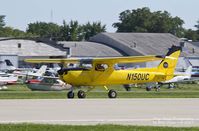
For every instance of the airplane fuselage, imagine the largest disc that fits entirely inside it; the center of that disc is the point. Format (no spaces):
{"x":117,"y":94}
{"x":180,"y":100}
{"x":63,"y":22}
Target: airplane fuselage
{"x":93,"y":78}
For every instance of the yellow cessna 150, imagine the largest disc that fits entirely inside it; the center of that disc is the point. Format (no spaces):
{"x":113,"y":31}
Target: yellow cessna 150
{"x":102,"y":72}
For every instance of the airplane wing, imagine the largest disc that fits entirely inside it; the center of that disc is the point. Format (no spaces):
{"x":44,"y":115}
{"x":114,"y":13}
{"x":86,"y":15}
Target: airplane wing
{"x":50,"y":77}
{"x":127,"y":59}
{"x":64,"y":61}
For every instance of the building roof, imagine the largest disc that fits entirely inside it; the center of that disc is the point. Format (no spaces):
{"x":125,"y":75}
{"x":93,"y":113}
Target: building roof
{"x":90,"y":49}
{"x":101,"y":45}
{"x":143,"y":43}
{"x":195,"y":43}
{"x":29,"y":48}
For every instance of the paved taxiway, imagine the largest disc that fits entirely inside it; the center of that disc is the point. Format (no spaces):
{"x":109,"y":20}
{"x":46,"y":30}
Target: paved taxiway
{"x":152,"y":111}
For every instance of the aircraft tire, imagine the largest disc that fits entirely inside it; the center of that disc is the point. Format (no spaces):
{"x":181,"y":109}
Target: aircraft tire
{"x":81,"y":94}
{"x":127,"y":87}
{"x":112,"y":94}
{"x":148,"y":88}
{"x":70,"y":95}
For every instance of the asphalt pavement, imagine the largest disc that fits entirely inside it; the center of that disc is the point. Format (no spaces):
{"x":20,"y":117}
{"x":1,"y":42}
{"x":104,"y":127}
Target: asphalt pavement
{"x":146,"y":111}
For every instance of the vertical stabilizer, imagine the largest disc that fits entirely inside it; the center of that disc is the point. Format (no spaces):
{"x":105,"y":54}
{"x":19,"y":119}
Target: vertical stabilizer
{"x":168,"y":64}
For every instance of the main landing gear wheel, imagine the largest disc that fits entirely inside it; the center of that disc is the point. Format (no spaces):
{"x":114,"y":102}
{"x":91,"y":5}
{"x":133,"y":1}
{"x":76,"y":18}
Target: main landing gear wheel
{"x":70,"y":94}
{"x":112,"y":94}
{"x":148,"y":88}
{"x":81,"y":94}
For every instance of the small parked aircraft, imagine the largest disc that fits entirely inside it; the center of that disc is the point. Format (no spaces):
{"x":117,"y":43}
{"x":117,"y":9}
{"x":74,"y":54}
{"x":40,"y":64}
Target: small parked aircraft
{"x":39,"y":72}
{"x":7,"y":79}
{"x":9,"y":68}
{"x":101,"y":72}
{"x":13,"y":78}
{"x":24,"y":75}
{"x":47,"y":84}
{"x":179,"y":77}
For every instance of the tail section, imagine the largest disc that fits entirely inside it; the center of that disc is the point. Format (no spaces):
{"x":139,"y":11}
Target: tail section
{"x":169,"y":63}
{"x":39,"y":72}
{"x":9,"y":65}
{"x":188,"y":71}
{"x":42,"y":70}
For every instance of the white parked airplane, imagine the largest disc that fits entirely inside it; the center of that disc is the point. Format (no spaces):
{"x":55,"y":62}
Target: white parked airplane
{"x":179,"y":77}
{"x":9,"y":68}
{"x":47,"y":84}
{"x":39,"y":72}
{"x":7,"y":79}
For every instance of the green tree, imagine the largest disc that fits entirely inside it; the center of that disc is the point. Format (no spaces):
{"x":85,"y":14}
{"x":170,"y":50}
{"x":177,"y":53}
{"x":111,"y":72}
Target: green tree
{"x":76,"y":32}
{"x":43,"y":29}
{"x":90,"y":30}
{"x":191,"y":35}
{"x":10,"y":32}
{"x":2,"y":22}
{"x":64,"y":32}
{"x":197,"y":26}
{"x":71,"y":31}
{"x":143,"y":20}
{"x":6,"y":31}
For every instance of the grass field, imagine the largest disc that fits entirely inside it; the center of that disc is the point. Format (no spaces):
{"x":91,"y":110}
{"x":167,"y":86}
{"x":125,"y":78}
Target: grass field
{"x":182,"y":91}
{"x":42,"y":127}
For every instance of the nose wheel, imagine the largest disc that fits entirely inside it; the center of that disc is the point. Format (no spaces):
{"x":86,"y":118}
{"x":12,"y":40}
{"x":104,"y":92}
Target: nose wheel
{"x":111,"y":93}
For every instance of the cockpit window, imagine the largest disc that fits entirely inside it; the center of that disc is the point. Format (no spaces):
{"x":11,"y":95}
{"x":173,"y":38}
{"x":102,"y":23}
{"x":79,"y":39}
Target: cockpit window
{"x":86,"y":66}
{"x":86,"y":63}
{"x":101,"y":67}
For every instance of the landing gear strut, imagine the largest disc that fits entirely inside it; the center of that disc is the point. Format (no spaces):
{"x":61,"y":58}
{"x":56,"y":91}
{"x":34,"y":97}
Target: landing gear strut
{"x":111,"y":93}
{"x":82,"y":94}
{"x":157,"y":88}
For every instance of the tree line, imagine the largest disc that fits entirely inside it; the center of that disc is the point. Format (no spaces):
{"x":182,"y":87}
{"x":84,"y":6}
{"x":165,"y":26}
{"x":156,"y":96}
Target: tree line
{"x":143,"y":20}
{"x":71,"y":31}
{"x":136,"y":20}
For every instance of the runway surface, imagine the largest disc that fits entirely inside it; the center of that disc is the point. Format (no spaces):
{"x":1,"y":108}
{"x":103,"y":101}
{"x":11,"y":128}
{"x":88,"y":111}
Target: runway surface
{"x":151,"y":111}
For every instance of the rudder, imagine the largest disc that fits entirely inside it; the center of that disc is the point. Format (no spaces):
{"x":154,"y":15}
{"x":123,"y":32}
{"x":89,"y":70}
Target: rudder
{"x":168,"y":64}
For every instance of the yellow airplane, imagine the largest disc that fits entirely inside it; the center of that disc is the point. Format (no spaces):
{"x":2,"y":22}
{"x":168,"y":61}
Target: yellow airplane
{"x":102,"y":71}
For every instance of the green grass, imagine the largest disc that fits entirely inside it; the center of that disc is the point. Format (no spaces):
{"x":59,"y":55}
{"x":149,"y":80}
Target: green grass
{"x":43,"y":127}
{"x":182,"y":91}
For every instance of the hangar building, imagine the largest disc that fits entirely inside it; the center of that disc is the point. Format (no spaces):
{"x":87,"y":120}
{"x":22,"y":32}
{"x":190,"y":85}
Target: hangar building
{"x":100,"y":45}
